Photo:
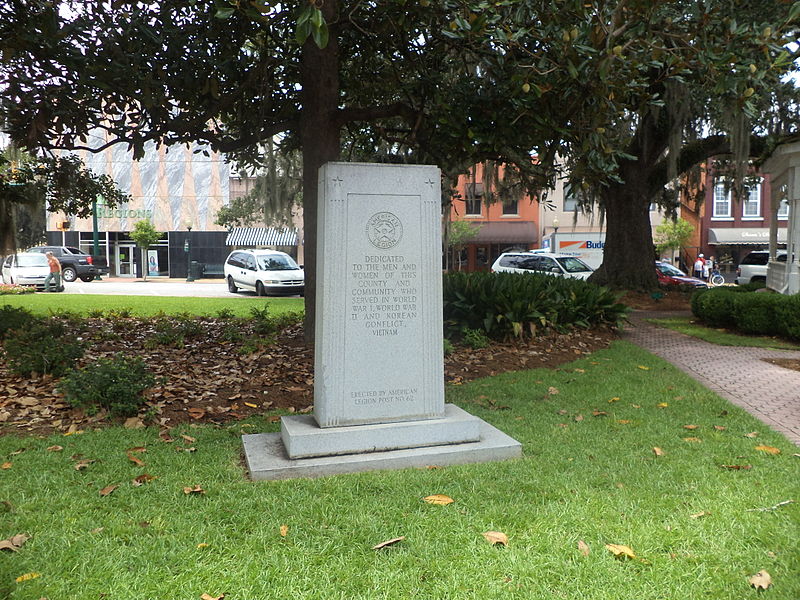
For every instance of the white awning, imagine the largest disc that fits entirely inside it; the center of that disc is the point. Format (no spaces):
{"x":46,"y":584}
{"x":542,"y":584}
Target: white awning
{"x":261,"y":236}
{"x":742,"y":236}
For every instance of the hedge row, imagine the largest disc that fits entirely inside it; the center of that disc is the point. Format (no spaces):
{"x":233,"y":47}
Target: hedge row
{"x":510,"y":304}
{"x":761,"y":313}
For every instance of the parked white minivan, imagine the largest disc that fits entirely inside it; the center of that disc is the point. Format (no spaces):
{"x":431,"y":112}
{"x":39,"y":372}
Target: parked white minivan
{"x":266,"y":272}
{"x":546,"y":263}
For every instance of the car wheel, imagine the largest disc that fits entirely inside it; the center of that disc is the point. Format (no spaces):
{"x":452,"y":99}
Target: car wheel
{"x":69,"y":274}
{"x":87,"y":278}
{"x":259,"y":289}
{"x":232,"y":286}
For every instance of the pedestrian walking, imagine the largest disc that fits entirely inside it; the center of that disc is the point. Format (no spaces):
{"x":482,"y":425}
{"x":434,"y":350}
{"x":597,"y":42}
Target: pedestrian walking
{"x":55,"y":273}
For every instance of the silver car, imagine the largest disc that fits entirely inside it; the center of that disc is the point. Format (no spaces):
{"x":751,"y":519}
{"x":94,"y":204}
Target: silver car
{"x":546,"y":263}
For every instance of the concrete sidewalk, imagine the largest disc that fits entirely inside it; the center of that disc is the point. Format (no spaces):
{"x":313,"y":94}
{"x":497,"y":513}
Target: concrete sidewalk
{"x":768,"y":392}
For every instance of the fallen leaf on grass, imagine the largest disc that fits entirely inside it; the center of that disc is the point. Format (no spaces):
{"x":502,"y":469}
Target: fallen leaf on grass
{"x":251,"y":405}
{"x":583,"y":547}
{"x":768,"y":449}
{"x":662,"y":405}
{"x":578,"y":418}
{"x":193,"y":490}
{"x":82,"y":464}
{"x":761,"y":580}
{"x":599,"y":413}
{"x":752,"y":434}
{"x":188,"y":438}
{"x":15,"y":542}
{"x":390,"y":542}
{"x":720,"y":428}
{"x":614,"y":399}
{"x":620,"y":551}
{"x":643,"y":368}
{"x":552,"y":391}
{"x":138,"y":449}
{"x":737,"y":467}
{"x":135,"y":460}
{"x":6,"y":465}
{"x":284,"y":530}
{"x":26,"y":577}
{"x":624,"y":422}
{"x":496,"y":537}
{"x":108,"y":489}
{"x":210,"y":597}
{"x":438,"y":499}
{"x":16,"y":452}
{"x":54,"y":448}
{"x":703,"y":513}
{"x":692,"y":439}
{"x":165,"y":436}
{"x":202,"y":545}
{"x":658,"y":451}
{"x":142,"y":479}
{"x":691,"y":427}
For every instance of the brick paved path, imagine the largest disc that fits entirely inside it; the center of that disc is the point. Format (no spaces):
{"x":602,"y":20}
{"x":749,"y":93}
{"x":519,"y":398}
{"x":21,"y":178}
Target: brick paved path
{"x":768,"y":392}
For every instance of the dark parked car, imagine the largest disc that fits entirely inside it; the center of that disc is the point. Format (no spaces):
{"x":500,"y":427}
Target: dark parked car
{"x":75,"y":263}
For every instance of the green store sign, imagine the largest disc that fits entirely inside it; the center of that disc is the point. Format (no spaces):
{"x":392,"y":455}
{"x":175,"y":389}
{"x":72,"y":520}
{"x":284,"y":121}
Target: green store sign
{"x":104,"y":212}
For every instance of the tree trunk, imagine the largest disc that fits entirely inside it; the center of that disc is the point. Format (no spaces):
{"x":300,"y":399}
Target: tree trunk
{"x":319,"y":134}
{"x":628,"y":255}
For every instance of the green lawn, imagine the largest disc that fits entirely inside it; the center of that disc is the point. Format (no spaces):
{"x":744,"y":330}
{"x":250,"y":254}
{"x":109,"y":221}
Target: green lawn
{"x":585,"y":478}
{"x":144,"y":306}
{"x":722,"y":337}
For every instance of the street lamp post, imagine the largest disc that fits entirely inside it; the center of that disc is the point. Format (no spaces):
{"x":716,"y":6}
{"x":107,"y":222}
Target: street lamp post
{"x":187,"y":247}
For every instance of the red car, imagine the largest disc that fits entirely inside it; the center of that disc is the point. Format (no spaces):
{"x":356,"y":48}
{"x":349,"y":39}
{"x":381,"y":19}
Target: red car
{"x":669,"y":275}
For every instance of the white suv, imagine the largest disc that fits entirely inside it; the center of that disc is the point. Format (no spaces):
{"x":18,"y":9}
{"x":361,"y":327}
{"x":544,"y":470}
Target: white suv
{"x":547,"y":263}
{"x":264,"y":272}
{"x":753,"y":267}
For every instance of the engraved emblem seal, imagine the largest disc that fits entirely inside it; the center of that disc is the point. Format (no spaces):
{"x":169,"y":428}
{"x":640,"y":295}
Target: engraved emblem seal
{"x":384,"y":230}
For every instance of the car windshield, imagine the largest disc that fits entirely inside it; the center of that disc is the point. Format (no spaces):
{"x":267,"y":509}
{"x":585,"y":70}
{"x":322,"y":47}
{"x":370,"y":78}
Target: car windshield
{"x":277,"y":263}
{"x":573,"y":265}
{"x":666,"y":269}
{"x":31,"y":260}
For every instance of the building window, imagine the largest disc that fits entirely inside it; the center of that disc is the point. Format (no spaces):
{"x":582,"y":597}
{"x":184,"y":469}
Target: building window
{"x":474,"y":199}
{"x":510,"y":207}
{"x":752,"y":202}
{"x":783,"y":209}
{"x":722,"y":201}
{"x":570,"y":202}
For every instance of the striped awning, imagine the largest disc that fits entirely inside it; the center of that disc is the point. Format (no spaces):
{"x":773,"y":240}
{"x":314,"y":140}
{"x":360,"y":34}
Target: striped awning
{"x":261,"y":236}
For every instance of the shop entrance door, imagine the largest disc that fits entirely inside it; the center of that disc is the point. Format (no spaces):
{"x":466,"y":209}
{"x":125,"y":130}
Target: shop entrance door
{"x":124,"y":260}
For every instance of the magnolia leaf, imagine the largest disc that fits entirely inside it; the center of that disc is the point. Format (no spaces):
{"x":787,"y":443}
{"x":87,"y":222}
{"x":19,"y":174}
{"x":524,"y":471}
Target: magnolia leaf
{"x":768,"y":449}
{"x":599,"y":413}
{"x":624,"y":422}
{"x":193,"y":490}
{"x":202,"y":545}
{"x":692,"y":439}
{"x":197,"y":413}
{"x":14,"y":543}
{"x":438,"y":499}
{"x":691,"y":427}
{"x":390,"y":542}
{"x":552,"y":391}
{"x":133,"y":423}
{"x":6,"y":465}
{"x":137,"y":449}
{"x":703,"y":513}
{"x":614,"y":399}
{"x":135,"y":460}
{"x":26,"y":577}
{"x":496,"y":537}
{"x":284,"y":530}
{"x":165,"y":436}
{"x":643,"y":368}
{"x":54,"y":448}
{"x":662,"y":405}
{"x":761,"y":580}
{"x":82,"y":464}
{"x":720,"y":428}
{"x":752,"y":434}
{"x":108,"y":489}
{"x":209,"y":596}
{"x":251,"y":405}
{"x":188,"y":438}
{"x":583,"y":547}
{"x":658,"y":451}
{"x":620,"y":551}
{"x":578,"y":418}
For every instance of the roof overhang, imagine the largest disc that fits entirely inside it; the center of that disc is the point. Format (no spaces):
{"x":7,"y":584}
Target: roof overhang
{"x":506,"y":233}
{"x":261,"y":236}
{"x":743,"y":236}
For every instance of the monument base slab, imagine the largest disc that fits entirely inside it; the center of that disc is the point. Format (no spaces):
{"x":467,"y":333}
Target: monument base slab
{"x":267,"y":459}
{"x":303,"y":438}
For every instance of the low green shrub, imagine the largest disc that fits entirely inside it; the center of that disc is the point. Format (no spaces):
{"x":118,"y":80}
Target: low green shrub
{"x":475,"y":338}
{"x":12,"y":318}
{"x":42,"y":347}
{"x":116,"y":384}
{"x":752,"y":312}
{"x":510,"y":304}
